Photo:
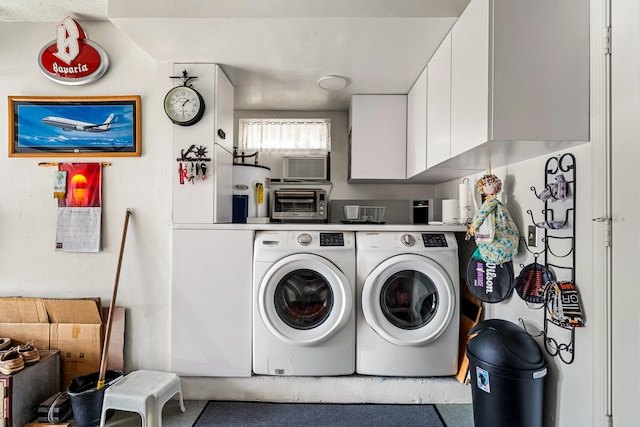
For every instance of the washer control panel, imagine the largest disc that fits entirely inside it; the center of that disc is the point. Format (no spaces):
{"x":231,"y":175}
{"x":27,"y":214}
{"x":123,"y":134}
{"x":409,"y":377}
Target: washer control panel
{"x":331,"y":239}
{"x":434,"y":240}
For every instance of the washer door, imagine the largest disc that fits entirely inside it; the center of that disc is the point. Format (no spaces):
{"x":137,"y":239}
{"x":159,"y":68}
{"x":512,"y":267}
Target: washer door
{"x":304,"y":299}
{"x":409,"y":300}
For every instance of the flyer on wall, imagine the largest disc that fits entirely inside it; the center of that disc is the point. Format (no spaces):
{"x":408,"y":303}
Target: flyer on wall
{"x":80,"y":210}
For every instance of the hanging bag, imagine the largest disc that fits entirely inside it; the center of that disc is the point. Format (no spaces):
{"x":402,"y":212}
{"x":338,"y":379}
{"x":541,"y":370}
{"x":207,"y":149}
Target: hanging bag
{"x":531,"y":281}
{"x":487,"y":281}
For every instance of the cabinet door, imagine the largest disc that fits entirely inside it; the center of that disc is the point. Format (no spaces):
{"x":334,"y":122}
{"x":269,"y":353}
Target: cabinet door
{"x":378,"y":137}
{"x":211,"y":302}
{"x":417,"y":126}
{"x":470,"y":78}
{"x":439,"y":104}
{"x":224,"y":109}
{"x":223,"y":164}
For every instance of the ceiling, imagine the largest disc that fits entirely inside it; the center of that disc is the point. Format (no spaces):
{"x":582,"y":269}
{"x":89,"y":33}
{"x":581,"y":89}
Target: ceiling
{"x":274,"y":51}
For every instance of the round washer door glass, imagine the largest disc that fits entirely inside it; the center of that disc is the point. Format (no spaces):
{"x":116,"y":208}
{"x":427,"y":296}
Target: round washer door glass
{"x":409,"y":300}
{"x":304,"y":299}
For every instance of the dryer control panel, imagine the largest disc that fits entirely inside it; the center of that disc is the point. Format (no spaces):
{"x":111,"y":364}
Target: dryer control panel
{"x":434,"y":240}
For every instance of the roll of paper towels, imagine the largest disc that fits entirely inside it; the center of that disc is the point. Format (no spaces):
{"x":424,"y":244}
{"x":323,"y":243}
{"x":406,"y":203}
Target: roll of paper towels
{"x":468,"y":204}
{"x":450,"y":211}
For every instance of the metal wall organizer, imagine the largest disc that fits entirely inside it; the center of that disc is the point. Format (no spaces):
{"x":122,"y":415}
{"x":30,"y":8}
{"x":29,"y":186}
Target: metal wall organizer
{"x":192,"y":164}
{"x":559,"y":295}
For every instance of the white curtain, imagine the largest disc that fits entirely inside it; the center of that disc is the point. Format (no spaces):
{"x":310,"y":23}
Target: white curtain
{"x":281,"y":135}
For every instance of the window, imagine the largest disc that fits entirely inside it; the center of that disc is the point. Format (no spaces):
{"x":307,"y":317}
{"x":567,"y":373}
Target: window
{"x":311,"y":136}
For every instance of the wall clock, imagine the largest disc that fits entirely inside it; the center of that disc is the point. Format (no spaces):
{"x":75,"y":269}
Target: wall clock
{"x":183,"y":104}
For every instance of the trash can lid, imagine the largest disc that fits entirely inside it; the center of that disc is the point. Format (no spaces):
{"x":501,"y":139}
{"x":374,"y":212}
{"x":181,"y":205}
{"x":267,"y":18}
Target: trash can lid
{"x":505,"y":344}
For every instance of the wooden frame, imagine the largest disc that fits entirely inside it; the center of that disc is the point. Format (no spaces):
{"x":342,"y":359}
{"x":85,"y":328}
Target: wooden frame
{"x":74,"y":126}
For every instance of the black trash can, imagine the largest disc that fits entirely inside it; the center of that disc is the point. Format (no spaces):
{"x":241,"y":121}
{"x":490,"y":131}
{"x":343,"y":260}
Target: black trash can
{"x":507,"y":370}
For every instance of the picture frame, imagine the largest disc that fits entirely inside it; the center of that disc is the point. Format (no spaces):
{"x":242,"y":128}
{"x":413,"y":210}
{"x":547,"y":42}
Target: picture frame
{"x":96,"y":126}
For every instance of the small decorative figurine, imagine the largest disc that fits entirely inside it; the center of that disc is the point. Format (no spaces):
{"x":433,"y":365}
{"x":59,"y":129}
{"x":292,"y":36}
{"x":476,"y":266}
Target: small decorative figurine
{"x":495,"y":233}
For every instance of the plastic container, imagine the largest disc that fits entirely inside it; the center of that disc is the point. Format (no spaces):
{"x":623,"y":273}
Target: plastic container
{"x":372,"y":213}
{"x":352,"y":212}
{"x":507,"y":371}
{"x":86,"y":401}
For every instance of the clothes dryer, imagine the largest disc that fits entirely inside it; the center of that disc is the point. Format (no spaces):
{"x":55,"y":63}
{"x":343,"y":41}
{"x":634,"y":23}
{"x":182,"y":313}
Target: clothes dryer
{"x":407,"y":304}
{"x":303,"y":303}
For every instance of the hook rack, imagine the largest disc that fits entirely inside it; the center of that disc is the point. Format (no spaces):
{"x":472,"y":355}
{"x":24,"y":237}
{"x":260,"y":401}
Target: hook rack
{"x":558,"y":195}
{"x":194,"y":154}
{"x":192,"y":164}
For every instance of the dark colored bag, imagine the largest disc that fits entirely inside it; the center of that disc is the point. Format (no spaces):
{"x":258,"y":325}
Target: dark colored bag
{"x":487,"y":281}
{"x":531,"y":281}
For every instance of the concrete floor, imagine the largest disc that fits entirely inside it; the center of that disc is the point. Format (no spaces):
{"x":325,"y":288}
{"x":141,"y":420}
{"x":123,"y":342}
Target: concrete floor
{"x":454,"y":415}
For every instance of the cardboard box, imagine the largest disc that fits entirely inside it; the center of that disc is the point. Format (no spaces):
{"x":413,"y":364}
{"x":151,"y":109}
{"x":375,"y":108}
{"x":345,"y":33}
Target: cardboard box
{"x":22,"y":392}
{"x":470,"y":316}
{"x":23,"y":320}
{"x":76,"y":330}
{"x":73,"y":326}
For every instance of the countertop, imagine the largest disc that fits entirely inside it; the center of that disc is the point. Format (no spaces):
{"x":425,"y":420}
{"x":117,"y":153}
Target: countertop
{"x":323,"y":226}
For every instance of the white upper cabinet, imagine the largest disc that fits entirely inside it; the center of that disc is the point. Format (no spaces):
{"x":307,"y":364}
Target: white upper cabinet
{"x":209,"y":200}
{"x":439,"y":104}
{"x":417,"y":126}
{"x":378,"y":137}
{"x":519,"y":72}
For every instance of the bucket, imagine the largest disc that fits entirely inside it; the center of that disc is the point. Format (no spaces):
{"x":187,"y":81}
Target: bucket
{"x":86,"y":401}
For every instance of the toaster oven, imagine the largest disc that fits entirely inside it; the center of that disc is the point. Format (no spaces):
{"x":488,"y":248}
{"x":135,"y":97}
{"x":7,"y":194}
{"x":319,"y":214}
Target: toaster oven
{"x":291,"y":204}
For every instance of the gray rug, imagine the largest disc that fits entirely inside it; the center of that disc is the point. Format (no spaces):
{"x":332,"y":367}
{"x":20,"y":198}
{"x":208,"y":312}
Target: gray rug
{"x":250,"y":414}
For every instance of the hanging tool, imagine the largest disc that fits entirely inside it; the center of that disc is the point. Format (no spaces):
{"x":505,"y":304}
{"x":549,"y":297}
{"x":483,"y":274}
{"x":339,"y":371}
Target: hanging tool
{"x":112,"y":306}
{"x":181,"y":173}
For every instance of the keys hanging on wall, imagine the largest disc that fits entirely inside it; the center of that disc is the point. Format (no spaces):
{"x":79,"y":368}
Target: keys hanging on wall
{"x":192,"y":164}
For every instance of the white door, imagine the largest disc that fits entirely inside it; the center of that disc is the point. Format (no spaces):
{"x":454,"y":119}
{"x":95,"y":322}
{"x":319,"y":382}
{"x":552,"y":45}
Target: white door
{"x":304,"y":299}
{"x":625,"y":211}
{"x":409,"y":300}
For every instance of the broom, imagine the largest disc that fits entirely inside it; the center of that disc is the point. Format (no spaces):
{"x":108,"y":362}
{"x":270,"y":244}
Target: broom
{"x":107,"y":333}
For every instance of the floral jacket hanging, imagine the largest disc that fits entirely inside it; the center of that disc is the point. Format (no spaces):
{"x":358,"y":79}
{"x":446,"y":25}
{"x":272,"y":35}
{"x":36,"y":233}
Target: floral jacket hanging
{"x":495,"y":233}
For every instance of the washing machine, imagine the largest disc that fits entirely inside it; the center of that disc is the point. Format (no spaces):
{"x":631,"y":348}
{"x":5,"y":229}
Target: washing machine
{"x":407,"y":304}
{"x":304,"y":303}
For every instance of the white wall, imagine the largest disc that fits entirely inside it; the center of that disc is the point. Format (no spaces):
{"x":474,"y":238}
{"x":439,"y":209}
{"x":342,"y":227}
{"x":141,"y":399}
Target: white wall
{"x":29,"y":266}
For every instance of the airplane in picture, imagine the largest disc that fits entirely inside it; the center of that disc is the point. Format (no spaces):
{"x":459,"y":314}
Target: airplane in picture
{"x":69,"y":124}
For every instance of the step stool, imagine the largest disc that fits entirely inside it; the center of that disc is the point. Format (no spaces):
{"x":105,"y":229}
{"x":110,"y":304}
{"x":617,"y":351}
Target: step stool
{"x":144,"y":392}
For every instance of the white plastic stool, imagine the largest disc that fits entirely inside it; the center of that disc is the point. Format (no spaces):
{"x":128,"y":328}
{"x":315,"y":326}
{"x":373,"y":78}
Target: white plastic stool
{"x":144,"y":392}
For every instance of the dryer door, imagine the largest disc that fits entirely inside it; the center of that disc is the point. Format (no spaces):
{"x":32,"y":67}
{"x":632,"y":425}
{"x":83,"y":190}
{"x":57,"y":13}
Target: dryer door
{"x":304,"y":299}
{"x":409,"y":300}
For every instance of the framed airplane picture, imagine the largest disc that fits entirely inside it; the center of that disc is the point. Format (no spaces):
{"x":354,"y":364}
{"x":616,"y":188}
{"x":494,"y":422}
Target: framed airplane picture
{"x":74,"y":126}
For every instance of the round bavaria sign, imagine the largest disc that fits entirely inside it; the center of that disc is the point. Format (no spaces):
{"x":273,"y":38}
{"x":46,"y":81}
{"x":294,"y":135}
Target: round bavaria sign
{"x":71,"y":59}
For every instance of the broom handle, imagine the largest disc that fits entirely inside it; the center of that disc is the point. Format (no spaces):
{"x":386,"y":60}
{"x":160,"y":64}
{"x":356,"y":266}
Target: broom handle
{"x":112,"y":305}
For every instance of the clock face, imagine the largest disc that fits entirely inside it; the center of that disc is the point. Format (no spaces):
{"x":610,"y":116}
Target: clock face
{"x":184,"y":105}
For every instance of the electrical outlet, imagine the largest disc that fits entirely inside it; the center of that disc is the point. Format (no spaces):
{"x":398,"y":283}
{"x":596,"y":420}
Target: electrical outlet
{"x":532,"y":236}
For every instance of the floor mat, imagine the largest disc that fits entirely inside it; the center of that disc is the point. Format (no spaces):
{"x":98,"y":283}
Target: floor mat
{"x":253,"y":414}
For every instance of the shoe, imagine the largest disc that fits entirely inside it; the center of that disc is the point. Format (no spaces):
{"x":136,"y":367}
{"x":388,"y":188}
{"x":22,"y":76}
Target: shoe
{"x":29,"y":353}
{"x":11,"y":361}
{"x":5,"y":343}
